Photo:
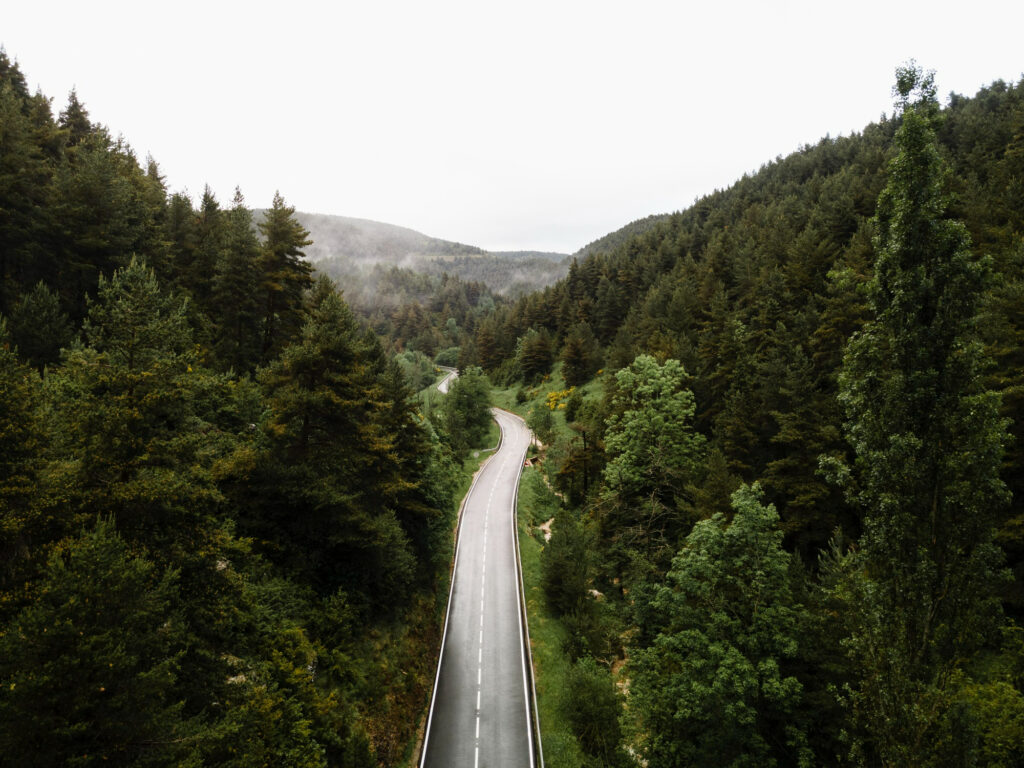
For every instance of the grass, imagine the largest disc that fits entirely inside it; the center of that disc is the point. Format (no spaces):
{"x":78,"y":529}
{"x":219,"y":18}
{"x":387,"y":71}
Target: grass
{"x":547,"y":639}
{"x":537,"y":397}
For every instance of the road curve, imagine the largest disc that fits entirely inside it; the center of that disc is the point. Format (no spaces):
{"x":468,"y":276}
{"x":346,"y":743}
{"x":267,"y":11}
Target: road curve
{"x":442,"y":386}
{"x":480,"y":713}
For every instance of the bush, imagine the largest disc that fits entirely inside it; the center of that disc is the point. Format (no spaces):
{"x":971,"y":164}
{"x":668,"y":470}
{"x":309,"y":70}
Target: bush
{"x":592,"y":706}
{"x":448,"y":357}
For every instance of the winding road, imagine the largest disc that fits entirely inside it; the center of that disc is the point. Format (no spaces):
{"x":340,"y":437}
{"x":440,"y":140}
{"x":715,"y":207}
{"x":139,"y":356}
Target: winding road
{"x":481,"y":710}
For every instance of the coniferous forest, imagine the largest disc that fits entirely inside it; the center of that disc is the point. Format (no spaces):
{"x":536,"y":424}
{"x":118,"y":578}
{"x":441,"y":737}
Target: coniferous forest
{"x":786,"y":475}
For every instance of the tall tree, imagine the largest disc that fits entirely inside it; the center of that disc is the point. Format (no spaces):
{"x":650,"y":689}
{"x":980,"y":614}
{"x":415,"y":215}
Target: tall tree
{"x":40,"y":327}
{"x":713,"y":688}
{"x":236,"y":307}
{"x":20,"y":453}
{"x":653,"y":454}
{"x":284,"y":276}
{"x":317,"y":496}
{"x":928,"y":441}
{"x":89,"y":667}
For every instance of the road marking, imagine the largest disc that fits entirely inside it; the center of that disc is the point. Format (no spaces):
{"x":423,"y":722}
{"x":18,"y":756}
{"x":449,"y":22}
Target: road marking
{"x":479,"y":675}
{"x":478,"y":700}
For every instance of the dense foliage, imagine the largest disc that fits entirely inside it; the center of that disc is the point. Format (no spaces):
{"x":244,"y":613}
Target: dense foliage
{"x":844,"y":329}
{"x":225,"y":526}
{"x":786,"y":469}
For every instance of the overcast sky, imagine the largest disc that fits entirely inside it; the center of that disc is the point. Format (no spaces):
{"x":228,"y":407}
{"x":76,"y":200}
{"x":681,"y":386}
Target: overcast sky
{"x":512,"y":125}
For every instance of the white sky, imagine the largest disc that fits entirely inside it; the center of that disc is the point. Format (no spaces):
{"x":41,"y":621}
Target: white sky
{"x":514,"y":125}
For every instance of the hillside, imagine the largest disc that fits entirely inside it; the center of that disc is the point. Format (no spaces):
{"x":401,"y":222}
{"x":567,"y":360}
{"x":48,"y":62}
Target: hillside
{"x":344,"y":247}
{"x":613,"y":240}
{"x":803,"y":466}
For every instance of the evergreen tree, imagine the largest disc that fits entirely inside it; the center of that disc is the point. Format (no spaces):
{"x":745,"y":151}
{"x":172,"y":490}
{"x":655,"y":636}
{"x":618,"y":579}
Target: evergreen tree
{"x":285,"y":276}
{"x":580,"y":356}
{"x":20,"y":455}
{"x":466,"y":410}
{"x":89,"y":667}
{"x":317,"y":495}
{"x":927,"y":440}
{"x":127,"y":438}
{"x":211,"y":238}
{"x":235,"y":307}
{"x":74,"y":121}
{"x":39,"y":326}
{"x":25,"y":176}
{"x":534,"y":356}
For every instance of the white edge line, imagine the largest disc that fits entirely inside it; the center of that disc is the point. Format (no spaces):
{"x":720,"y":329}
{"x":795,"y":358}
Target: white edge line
{"x":527,"y":654}
{"x":451,"y":592}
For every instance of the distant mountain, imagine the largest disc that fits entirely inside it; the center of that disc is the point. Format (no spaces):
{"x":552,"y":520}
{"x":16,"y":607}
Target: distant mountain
{"x":345,"y":246}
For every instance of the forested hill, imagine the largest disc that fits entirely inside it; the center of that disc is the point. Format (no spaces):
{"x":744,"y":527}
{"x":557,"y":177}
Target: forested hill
{"x":756,"y":289}
{"x":790,"y":497}
{"x":353,"y":248}
{"x":225,"y":521}
{"x":615,"y":239}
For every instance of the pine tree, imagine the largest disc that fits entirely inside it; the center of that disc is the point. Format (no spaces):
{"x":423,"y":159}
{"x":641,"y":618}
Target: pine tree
{"x":210,"y":243}
{"x":24,"y":183}
{"x":74,"y":120}
{"x":580,"y":356}
{"x":927,"y":440}
{"x":89,"y":667}
{"x":236,"y":307}
{"x":20,"y":455}
{"x":40,"y":327}
{"x":319,"y":497}
{"x":285,"y":276}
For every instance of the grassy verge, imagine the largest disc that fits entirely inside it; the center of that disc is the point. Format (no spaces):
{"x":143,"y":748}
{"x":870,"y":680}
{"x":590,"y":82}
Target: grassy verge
{"x":547,"y":638}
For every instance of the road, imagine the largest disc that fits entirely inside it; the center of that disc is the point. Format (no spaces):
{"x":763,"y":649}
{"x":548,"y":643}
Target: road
{"x":480,"y":714}
{"x":442,"y":386}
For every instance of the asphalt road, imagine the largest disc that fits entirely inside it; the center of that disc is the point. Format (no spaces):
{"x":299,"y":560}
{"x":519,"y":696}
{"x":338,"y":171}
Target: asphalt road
{"x":480,"y":712}
{"x":442,"y":385}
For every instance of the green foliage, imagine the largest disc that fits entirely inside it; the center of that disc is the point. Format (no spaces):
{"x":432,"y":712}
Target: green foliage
{"x":927,"y":440}
{"x":653,"y":454}
{"x":592,"y":707}
{"x":235,"y":306}
{"x":713,"y":688}
{"x":284,"y":276}
{"x":418,"y":369}
{"x":448,"y":357}
{"x":317,"y":494}
{"x":159,"y":635}
{"x":89,"y":667}
{"x":565,"y":564}
{"x":20,"y":457}
{"x":534,"y":357}
{"x":541,"y":422}
{"x":580,"y":355}
{"x":466,"y":409}
{"x":39,"y":327}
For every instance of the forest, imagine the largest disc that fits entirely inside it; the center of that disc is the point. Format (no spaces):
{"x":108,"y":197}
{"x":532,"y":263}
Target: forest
{"x":782,"y":462}
{"x":225,"y":522}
